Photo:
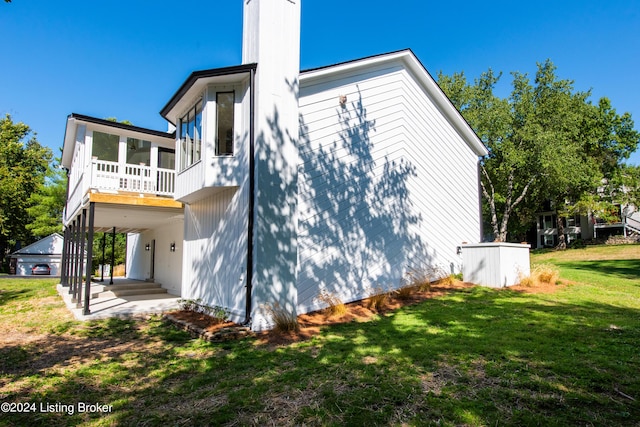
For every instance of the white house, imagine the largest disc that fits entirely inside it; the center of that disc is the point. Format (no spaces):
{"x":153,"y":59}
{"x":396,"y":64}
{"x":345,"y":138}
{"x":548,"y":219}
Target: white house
{"x":623,"y":221}
{"x":279,"y":183}
{"x":45,"y":251}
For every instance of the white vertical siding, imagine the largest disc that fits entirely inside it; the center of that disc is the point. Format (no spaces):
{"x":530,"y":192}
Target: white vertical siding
{"x":215,"y":248}
{"x":167,"y":266}
{"x":385,"y":183}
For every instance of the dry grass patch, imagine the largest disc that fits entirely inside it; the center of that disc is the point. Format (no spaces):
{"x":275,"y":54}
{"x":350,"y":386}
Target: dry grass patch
{"x":541,"y":275}
{"x":377,"y":299}
{"x":335,"y":306}
{"x":284,"y":320}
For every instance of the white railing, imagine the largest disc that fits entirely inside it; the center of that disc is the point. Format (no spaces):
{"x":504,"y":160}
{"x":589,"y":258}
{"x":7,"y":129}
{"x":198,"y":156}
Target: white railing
{"x":143,"y":179}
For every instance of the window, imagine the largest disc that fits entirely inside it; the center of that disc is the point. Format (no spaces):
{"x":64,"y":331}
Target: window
{"x":105,"y":146}
{"x":138,"y":151}
{"x":166,"y":158}
{"x":224,"y":120}
{"x":548,"y":222}
{"x":190,"y":136}
{"x":548,"y":240}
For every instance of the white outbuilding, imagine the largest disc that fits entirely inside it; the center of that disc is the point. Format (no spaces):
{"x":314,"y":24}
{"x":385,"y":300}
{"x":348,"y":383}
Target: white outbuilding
{"x":44,"y":251}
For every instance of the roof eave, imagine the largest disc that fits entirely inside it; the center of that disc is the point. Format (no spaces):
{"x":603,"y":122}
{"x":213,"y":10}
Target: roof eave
{"x":239,"y":71}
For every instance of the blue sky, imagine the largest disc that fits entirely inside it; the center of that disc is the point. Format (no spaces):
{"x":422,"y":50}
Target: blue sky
{"x":125,"y":59}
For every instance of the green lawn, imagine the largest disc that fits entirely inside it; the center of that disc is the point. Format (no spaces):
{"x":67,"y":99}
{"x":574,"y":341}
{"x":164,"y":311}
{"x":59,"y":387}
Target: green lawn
{"x":477,"y":357}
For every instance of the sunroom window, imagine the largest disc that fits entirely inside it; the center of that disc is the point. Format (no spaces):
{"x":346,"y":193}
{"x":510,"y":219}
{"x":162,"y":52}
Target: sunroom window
{"x":105,"y":146}
{"x":138,"y":151}
{"x":191,"y":136}
{"x":224,"y":120}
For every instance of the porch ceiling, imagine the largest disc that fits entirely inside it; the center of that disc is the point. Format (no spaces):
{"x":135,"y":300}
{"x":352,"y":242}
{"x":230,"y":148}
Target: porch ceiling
{"x":132,"y":219}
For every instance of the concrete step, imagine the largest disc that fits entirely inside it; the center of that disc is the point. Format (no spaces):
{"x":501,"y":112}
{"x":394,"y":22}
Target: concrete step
{"x":129,"y":289}
{"x":133,"y":292}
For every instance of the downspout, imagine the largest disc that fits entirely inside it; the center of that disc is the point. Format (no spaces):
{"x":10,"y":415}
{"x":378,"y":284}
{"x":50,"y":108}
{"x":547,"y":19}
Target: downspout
{"x":480,"y":199}
{"x":249,"y":285}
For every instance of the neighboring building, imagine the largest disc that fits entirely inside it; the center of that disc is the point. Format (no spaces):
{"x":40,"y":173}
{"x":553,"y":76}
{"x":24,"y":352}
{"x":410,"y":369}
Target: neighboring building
{"x":279,"y":183}
{"x":44,"y":251}
{"x":626,"y":222}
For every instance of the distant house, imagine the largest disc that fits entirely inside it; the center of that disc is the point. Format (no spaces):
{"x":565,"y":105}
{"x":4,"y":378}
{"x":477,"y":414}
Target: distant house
{"x":624,"y":221}
{"x":274,"y":184}
{"x":44,"y":251}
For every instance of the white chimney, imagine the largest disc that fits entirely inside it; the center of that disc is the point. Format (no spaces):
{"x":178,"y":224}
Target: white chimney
{"x":271,"y":39}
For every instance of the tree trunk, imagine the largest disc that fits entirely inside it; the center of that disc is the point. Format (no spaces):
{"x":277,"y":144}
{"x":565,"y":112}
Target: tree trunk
{"x":562,"y":244}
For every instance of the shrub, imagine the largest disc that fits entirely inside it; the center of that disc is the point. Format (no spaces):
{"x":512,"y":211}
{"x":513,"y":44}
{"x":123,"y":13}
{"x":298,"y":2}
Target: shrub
{"x":422,"y":276}
{"x":547,"y":274}
{"x":542,"y":274}
{"x":378,"y":297}
{"x":335,"y":306}
{"x":450,"y":279}
{"x":405,"y":292}
{"x":283,"y":320}
{"x":196,"y":306}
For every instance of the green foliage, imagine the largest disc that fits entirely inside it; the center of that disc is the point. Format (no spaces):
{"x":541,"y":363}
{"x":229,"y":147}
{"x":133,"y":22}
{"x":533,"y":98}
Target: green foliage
{"x":106,"y":238}
{"x":115,"y":120}
{"x":23,"y":166}
{"x":546,"y":141}
{"x":47,"y":204}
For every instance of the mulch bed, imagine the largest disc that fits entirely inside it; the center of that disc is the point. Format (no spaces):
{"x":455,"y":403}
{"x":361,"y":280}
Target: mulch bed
{"x":310,"y":324}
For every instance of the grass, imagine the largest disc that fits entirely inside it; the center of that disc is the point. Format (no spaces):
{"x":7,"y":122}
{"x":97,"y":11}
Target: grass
{"x":475,"y":357}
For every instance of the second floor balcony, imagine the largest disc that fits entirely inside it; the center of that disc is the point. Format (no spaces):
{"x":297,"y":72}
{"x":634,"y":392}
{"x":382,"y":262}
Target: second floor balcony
{"x":143,"y":179}
{"x":123,"y":162}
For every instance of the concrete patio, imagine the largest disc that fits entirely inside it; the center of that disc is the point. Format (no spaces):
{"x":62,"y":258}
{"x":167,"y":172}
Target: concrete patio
{"x":125,"y":298}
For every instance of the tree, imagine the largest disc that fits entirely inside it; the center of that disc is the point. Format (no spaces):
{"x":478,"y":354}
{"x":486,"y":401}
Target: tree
{"x":546,"y":141}
{"x":106,"y":238}
{"x":47,"y":204}
{"x":23,"y":165}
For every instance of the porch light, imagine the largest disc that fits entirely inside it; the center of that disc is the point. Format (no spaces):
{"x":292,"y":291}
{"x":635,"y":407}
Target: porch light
{"x":172,"y":247}
{"x":147,"y":247}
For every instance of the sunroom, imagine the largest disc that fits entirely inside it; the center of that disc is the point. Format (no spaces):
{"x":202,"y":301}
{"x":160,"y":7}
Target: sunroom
{"x":212,"y":113}
{"x":115,"y":158}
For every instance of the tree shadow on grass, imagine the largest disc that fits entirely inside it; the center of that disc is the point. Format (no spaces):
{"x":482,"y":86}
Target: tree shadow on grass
{"x":623,"y":268}
{"x":476,"y":357}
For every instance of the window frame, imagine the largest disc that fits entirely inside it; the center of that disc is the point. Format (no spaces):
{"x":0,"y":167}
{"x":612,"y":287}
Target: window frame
{"x":227,"y":152}
{"x":189,"y":132}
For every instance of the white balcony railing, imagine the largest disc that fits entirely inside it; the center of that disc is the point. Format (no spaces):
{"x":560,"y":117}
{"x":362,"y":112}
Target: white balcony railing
{"x":142,"y":179}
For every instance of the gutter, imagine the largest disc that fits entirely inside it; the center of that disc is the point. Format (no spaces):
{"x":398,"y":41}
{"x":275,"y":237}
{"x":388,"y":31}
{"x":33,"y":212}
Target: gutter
{"x":252,"y":173}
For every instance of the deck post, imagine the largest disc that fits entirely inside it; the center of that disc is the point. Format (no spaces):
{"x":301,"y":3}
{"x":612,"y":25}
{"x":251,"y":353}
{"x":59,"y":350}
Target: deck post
{"x":87,"y":286}
{"x":74,"y":257}
{"x":104,"y":244}
{"x":63,"y":261}
{"x":83,"y":229}
{"x":113,"y":253}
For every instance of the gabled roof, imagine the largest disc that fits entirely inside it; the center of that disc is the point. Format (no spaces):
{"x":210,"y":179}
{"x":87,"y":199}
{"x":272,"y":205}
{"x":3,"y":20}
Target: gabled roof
{"x":50,"y":245}
{"x":420,"y":73}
